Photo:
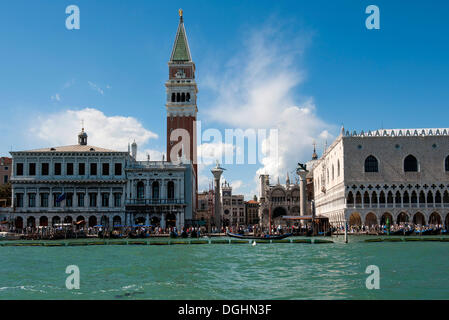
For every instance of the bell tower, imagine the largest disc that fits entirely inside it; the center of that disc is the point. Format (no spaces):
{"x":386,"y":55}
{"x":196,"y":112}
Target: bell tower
{"x":181,"y":105}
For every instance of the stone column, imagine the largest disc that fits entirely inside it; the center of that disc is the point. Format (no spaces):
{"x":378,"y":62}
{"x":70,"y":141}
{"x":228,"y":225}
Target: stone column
{"x":111,"y":203}
{"x":163,"y":221}
{"x":181,"y":215}
{"x":303,"y":193}
{"x":178,"y":225}
{"x":217,"y":172}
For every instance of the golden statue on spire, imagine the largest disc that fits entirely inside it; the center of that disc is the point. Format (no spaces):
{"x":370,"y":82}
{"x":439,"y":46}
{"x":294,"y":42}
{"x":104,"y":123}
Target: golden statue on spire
{"x":180,"y":12}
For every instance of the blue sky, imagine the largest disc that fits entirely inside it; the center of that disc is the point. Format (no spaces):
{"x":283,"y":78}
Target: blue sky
{"x":316,"y":65}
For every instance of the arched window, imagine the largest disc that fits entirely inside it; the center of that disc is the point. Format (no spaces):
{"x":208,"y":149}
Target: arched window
{"x":338,"y":168}
{"x":173,"y":97}
{"x":438,"y":197}
{"x":140,"y":190}
{"x":382,"y":197}
{"x":446,"y":164}
{"x":188,"y":96}
{"x":410,"y":164}
{"x":178,"y":97}
{"x":183,"y":97}
{"x":350,"y":198}
{"x":406,"y":199}
{"x":171,"y":190}
{"x":422,"y":197}
{"x":390,"y":197}
{"x":155,"y":187}
{"x":397,"y":199}
{"x":366,"y":200}
{"x":371,"y":164}
{"x":374,"y":199}
{"x":430,"y":198}
{"x":358,"y":198}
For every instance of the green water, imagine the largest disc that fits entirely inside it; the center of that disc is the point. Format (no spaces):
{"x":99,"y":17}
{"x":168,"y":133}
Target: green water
{"x":408,"y":270}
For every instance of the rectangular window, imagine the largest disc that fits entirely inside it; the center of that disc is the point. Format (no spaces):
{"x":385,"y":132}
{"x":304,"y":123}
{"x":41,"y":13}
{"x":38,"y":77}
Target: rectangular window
{"x":93,"y":169}
{"x":32,"y":169}
{"x":44,"y":200}
{"x":70,"y":169}
{"x":92,"y":199}
{"x":118,"y":169}
{"x":117,"y":200}
{"x":19,"y":200}
{"x":69,"y":200}
{"x":80,"y":199}
{"x":105,"y":200}
{"x":57,"y":169}
{"x":81,"y":169}
{"x":5,"y":179}
{"x":105,"y":170}
{"x":56,"y":204}
{"x":45,"y":169}
{"x":32,"y":200}
{"x":19,"y":169}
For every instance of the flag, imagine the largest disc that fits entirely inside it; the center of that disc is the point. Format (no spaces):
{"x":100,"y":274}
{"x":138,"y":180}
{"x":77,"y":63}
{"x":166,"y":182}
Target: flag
{"x":60,"y":198}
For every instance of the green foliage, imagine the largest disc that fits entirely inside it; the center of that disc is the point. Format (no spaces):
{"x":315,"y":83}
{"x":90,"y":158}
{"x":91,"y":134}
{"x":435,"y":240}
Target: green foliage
{"x":5,"y":193}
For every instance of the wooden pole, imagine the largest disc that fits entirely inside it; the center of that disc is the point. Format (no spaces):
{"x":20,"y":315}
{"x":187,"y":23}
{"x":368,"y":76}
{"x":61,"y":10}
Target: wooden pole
{"x":269,"y":221}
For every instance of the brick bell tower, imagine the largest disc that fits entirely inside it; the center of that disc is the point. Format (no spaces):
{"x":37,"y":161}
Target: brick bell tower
{"x":181,"y":101}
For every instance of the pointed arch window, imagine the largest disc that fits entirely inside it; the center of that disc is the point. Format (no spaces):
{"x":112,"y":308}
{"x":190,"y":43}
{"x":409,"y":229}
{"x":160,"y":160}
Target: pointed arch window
{"x":390,"y":197}
{"x":410,"y":164}
{"x":173,"y":97}
{"x":371,"y":164}
{"x":398,"y":198}
{"x":350,"y":198}
{"x":446,"y":164}
{"x":338,"y":168}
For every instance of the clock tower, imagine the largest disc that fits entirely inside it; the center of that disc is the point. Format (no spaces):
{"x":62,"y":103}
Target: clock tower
{"x":181,"y":101}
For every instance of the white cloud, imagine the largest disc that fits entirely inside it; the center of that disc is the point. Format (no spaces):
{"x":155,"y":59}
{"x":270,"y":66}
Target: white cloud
{"x":56,"y":97}
{"x":236,"y":184}
{"x":256,"y":91}
{"x":112,"y":132}
{"x":95,"y":87}
{"x":208,"y":153}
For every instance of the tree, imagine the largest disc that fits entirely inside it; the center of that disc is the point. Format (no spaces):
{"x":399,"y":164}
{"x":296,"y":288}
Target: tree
{"x":5,"y":195}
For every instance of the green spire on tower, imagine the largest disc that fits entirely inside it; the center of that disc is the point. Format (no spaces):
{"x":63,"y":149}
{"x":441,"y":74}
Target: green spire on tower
{"x":181,"y":51}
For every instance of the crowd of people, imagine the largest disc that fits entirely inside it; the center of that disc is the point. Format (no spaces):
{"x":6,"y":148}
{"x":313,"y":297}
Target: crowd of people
{"x":76,"y":231}
{"x":381,"y":229}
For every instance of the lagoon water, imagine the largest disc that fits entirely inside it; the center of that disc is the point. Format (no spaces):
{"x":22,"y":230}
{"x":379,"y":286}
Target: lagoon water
{"x":408,"y":270}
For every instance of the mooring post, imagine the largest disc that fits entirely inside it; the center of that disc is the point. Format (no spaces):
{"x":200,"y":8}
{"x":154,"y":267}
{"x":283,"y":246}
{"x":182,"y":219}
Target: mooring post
{"x":346,"y":232}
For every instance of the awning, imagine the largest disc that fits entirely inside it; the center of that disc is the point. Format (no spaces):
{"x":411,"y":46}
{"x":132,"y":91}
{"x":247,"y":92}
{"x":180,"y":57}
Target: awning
{"x":302,"y":217}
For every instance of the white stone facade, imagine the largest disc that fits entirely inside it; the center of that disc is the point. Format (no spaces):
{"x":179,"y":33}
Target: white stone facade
{"x":92,"y":180}
{"x":100,"y":187}
{"x":400,"y":174}
{"x":159,"y":193}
